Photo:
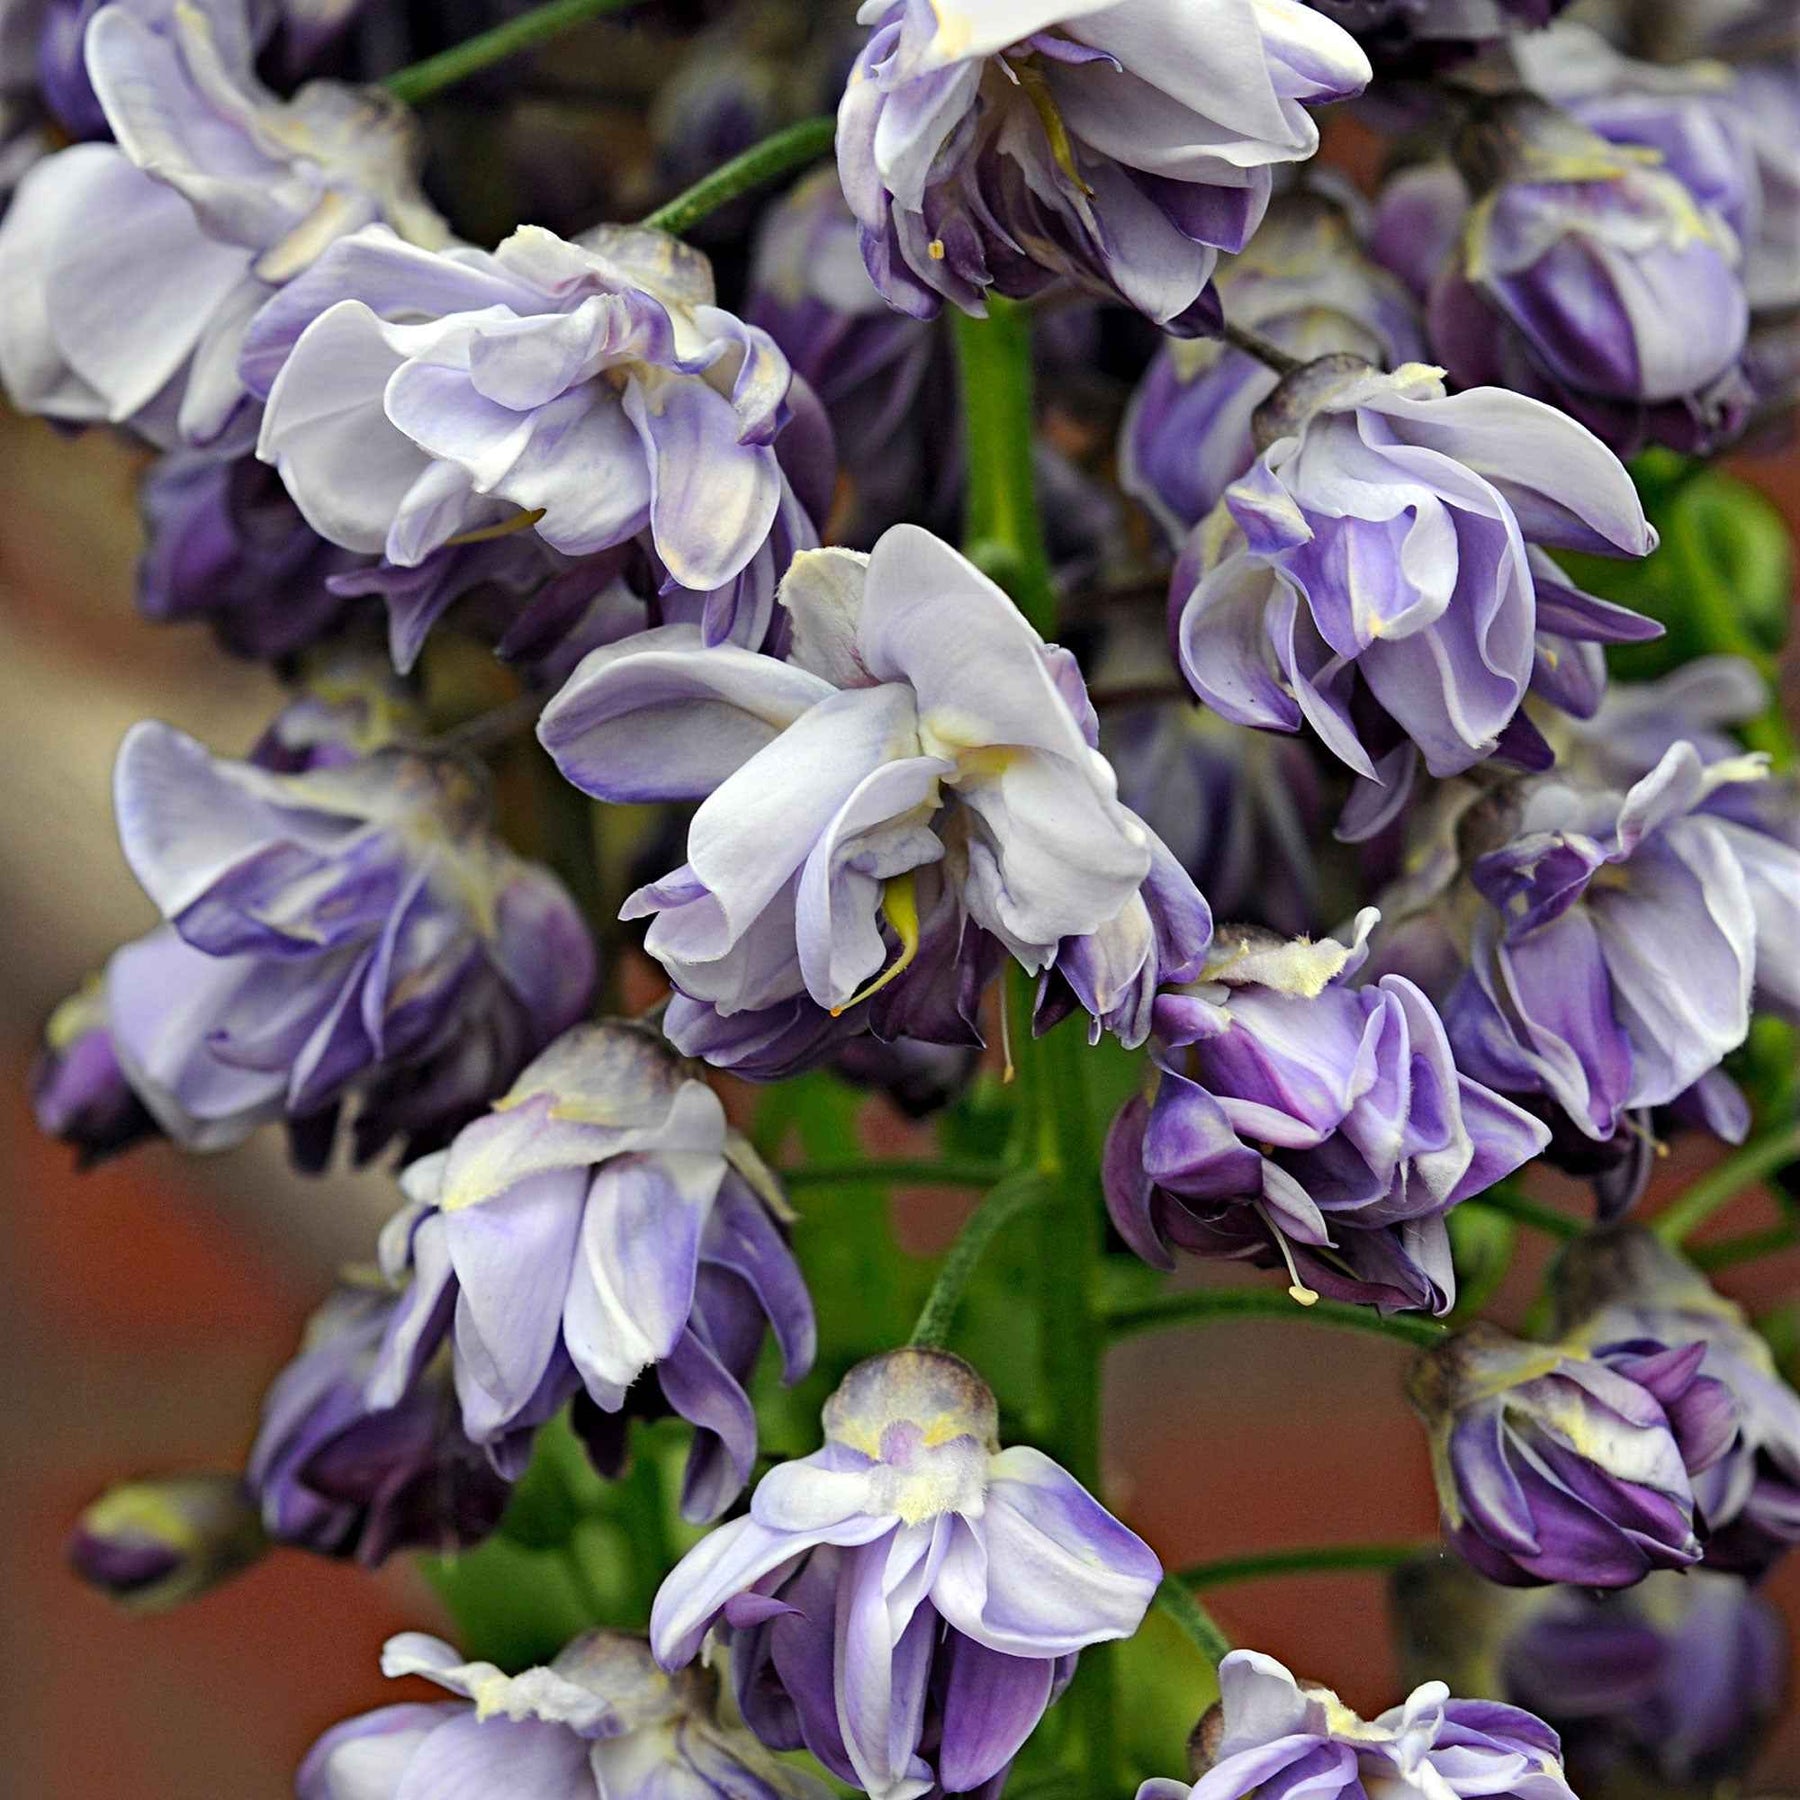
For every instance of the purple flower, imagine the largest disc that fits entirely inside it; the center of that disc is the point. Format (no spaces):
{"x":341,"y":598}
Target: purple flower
{"x":1628,"y":1287}
{"x":1304,"y":284}
{"x":1376,"y":573}
{"x":1297,"y":1119}
{"x":1682,"y":1676}
{"x":213,"y":196}
{"x":907,"y":1601}
{"x":1417,"y":37}
{"x":591,"y":391}
{"x":917,"y":772}
{"x":1623,"y":939}
{"x":154,"y":1544}
{"x":1274,"y":1737}
{"x":988,"y":145}
{"x":1556,"y":1465}
{"x":601,"y":1722}
{"x":79,"y":1093}
{"x":1593,"y":280}
{"x":336,"y":1475}
{"x":349,"y":931}
{"x":601,"y":1224}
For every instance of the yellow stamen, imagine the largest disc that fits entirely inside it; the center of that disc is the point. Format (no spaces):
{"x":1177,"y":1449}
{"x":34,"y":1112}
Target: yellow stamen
{"x":518,"y":522}
{"x":900,"y":907}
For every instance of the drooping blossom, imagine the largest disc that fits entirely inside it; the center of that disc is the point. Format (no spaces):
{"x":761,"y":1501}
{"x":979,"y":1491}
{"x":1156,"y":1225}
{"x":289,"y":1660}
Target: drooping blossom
{"x":334,"y":1474}
{"x":1378,"y":573}
{"x":1595,"y":280}
{"x":1272,"y":1736}
{"x":154,"y":1544}
{"x":1680,"y":1677}
{"x":1627,"y":1286}
{"x":1304,"y":284}
{"x":907,"y":1601}
{"x":600,"y":1722}
{"x":988,"y":147}
{"x":1417,"y":37}
{"x":79,"y":1093}
{"x":1621,"y":942}
{"x":600,"y":1233}
{"x":1554,"y":1464}
{"x":214,"y":194}
{"x":914,"y":779}
{"x":350,"y":932}
{"x":1297,"y":1119}
{"x":590,"y":391}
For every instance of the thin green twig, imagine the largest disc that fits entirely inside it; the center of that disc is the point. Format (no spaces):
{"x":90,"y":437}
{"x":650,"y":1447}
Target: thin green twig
{"x":1005,"y":1202}
{"x":1201,"y":1305}
{"x":1719,"y":1187}
{"x":893,"y":1174}
{"x":1322,"y":1559}
{"x":775,"y":156}
{"x":421,"y":80}
{"x":1194,"y":1619}
{"x":1729,"y":1252}
{"x":1528,"y":1212}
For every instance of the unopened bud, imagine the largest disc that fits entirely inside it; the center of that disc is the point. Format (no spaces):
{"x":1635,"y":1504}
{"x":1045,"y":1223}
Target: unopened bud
{"x":154,"y":1544}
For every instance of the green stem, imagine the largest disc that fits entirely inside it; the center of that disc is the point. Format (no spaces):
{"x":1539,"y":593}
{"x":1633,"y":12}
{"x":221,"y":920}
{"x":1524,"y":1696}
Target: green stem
{"x":1719,"y":1187}
{"x":421,"y":80}
{"x":1004,"y":1203}
{"x":776,"y":155}
{"x":1325,"y":1559}
{"x":1003,"y":533}
{"x":1193,"y":1618}
{"x":1732,"y":1251}
{"x":893,"y":1174}
{"x":1528,"y":1212}
{"x":1200,"y":1305}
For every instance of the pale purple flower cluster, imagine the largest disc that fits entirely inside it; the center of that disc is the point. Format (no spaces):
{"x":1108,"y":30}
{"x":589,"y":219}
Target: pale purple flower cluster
{"x":1299,"y":1119}
{"x":907,"y":1601}
{"x":601,"y":1225}
{"x":990,"y":147}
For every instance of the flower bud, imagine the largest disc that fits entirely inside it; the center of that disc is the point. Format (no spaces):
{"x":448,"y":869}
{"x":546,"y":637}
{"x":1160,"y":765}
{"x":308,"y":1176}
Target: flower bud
{"x":154,"y":1544}
{"x":78,"y":1091}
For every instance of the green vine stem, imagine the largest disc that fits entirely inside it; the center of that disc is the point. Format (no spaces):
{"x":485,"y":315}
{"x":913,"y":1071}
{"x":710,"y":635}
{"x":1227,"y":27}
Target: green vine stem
{"x":1203,"y":1305}
{"x":1729,"y":1252}
{"x":1012,"y":1196}
{"x":421,"y":80}
{"x":1719,"y":1187}
{"x":1324,"y":1559}
{"x":1193,"y":1618}
{"x":1503,"y":1199}
{"x":777,"y":155}
{"x":893,"y":1174}
{"x":1003,"y":534}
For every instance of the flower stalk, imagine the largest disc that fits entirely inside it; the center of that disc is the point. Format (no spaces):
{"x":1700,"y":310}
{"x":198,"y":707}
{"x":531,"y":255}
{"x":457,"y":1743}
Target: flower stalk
{"x":424,"y":80}
{"x":779,"y":154}
{"x":1203,"y":1305}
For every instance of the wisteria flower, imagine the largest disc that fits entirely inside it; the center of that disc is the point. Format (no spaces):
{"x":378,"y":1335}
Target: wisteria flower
{"x":1377,"y":574}
{"x":907,"y":1601}
{"x":919,"y":763}
{"x":591,"y":391}
{"x":350,"y":931}
{"x":1571,"y":991}
{"x":600,"y":1722}
{"x":214,"y":194}
{"x":155,"y":1544}
{"x":78,"y":1090}
{"x":1297,"y":1119}
{"x":1556,"y":1465}
{"x":987,"y":146}
{"x":1273,"y":1736}
{"x":1628,"y":1287}
{"x":335,"y":1474}
{"x":601,"y":1225}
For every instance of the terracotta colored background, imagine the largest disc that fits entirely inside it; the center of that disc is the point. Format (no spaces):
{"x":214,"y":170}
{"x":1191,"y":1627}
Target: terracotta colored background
{"x":144,"y":1307}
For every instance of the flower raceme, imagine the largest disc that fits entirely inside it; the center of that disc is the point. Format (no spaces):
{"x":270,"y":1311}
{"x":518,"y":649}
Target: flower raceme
{"x":1377,"y":573}
{"x":991,"y":147}
{"x":1272,"y":1736}
{"x":1299,"y":1119}
{"x":216,"y":193}
{"x":905,"y":1602}
{"x":601,"y":1225}
{"x":591,"y":391}
{"x":350,"y":930}
{"x":600,"y":1722}
{"x":916,"y":772}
